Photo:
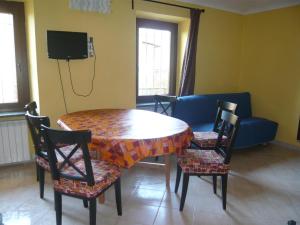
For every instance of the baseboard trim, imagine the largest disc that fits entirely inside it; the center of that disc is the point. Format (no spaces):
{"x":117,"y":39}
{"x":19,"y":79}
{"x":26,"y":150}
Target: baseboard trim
{"x":286,"y":145}
{"x":16,"y":164}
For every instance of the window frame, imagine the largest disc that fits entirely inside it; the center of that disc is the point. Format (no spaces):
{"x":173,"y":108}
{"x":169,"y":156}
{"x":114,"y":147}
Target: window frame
{"x":298,"y":134}
{"x":18,"y":12}
{"x":159,"y":25}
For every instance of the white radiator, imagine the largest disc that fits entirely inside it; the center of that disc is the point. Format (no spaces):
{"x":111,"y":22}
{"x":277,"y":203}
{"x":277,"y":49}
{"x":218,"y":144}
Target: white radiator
{"x":14,"y":146}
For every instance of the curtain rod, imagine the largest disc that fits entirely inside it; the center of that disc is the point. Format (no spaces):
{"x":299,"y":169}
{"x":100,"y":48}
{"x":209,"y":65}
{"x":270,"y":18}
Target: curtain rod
{"x":169,"y":4}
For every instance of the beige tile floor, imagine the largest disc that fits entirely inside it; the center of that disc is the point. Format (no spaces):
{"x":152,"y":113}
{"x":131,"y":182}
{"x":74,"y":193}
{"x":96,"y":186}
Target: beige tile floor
{"x":264,"y":189}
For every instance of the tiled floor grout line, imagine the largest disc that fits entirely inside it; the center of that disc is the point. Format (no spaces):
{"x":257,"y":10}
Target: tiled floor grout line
{"x":159,"y":207}
{"x":262,"y":190}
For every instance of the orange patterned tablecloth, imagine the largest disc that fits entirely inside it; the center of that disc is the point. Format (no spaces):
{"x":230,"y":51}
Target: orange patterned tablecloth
{"x":125,"y":137}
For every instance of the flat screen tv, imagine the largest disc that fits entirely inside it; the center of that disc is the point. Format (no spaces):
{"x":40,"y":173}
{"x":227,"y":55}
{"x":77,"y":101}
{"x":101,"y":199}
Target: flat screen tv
{"x":67,"y":45}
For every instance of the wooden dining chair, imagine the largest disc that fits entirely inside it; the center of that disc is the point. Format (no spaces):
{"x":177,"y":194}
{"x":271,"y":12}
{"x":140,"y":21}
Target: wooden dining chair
{"x":164,"y":104}
{"x":209,"y":162}
{"x":208,"y":139}
{"x":85,"y":179}
{"x":31,"y":108}
{"x":41,"y":155}
{"x":34,"y":123}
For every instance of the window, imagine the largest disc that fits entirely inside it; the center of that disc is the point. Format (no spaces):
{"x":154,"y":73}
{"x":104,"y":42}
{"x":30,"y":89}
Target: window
{"x":14,"y":93}
{"x":156,"y":59}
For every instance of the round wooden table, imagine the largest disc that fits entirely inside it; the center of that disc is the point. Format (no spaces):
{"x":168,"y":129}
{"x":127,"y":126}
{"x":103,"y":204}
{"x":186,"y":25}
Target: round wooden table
{"x":126,"y":136}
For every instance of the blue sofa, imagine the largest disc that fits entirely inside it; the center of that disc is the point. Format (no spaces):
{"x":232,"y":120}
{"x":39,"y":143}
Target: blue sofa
{"x":199,"y":111}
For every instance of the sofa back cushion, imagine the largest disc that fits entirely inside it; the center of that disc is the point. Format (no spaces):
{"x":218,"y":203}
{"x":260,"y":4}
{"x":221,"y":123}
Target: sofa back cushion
{"x":197,"y":109}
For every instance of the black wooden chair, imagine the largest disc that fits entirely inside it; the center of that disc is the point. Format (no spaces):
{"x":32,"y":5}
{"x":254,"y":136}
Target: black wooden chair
{"x":164,"y":104}
{"x":31,"y":108}
{"x":41,"y":155}
{"x":34,"y":123}
{"x":209,"y":162}
{"x":85,"y":179}
{"x":208,"y":139}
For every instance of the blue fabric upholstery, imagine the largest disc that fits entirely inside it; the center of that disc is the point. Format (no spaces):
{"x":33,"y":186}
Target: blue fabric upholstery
{"x":189,"y":108}
{"x":199,"y":111}
{"x":203,"y":127}
{"x":255,"y":131}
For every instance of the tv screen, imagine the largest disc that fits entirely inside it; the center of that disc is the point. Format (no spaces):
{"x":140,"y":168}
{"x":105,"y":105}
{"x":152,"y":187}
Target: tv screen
{"x":67,"y":45}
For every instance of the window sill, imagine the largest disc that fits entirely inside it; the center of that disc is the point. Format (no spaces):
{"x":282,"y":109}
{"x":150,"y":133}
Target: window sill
{"x":150,"y":105}
{"x":11,"y":114}
{"x":141,"y":105}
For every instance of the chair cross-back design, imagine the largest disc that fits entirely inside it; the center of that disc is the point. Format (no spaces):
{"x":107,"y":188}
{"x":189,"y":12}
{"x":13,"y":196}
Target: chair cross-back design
{"x":34,"y":124}
{"x":223,"y":106}
{"x":214,"y":162}
{"x":77,"y":140}
{"x":41,"y":155}
{"x":166,"y":103}
{"x":31,"y":108}
{"x":208,"y":139}
{"x":85,"y":179}
{"x":229,"y":127}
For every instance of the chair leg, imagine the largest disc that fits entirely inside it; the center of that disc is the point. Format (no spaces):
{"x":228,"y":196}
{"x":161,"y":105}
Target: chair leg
{"x":93,"y":209}
{"x":58,"y":208}
{"x":215,"y":183}
{"x":118,"y":196}
{"x":224,"y":190}
{"x":37,"y":172}
{"x":178,"y":176}
{"x":85,"y":203}
{"x":185,"y":185}
{"x":41,"y":180}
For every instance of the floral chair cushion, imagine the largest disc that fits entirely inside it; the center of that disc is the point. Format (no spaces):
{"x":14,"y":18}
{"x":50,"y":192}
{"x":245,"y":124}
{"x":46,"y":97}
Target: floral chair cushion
{"x":207,"y":139}
{"x":202,"y":162}
{"x":44,"y":163}
{"x":104,"y":175}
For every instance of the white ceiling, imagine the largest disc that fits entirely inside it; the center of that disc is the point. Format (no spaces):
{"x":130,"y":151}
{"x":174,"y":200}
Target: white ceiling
{"x":244,"y":6}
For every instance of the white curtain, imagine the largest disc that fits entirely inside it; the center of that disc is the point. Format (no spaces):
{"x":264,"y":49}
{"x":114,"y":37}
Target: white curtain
{"x":101,"y":6}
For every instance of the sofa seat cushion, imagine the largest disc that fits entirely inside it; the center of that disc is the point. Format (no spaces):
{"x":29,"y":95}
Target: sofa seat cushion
{"x":104,"y":175}
{"x":66,"y":150}
{"x":207,"y":139}
{"x":255,"y":131}
{"x":199,"y":111}
{"x":202,"y":162}
{"x":252,"y":131}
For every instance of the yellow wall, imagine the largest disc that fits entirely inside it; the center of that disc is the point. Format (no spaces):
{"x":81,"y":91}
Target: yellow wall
{"x":114,"y":37}
{"x":270,"y":68}
{"x":218,"y":54}
{"x":258,"y":53}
